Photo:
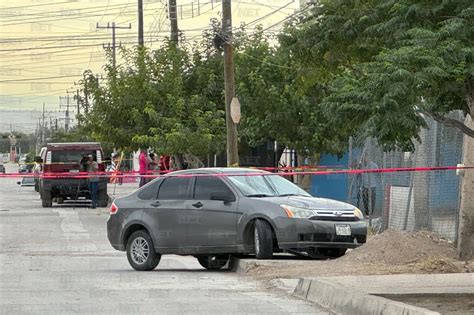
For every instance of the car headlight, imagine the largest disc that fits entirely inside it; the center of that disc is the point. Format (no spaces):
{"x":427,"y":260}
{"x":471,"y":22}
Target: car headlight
{"x":296,"y":212}
{"x":358,"y":213}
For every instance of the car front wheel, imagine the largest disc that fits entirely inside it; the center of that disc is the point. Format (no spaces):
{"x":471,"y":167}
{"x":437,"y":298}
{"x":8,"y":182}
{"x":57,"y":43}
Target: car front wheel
{"x":213,"y":262}
{"x":263,"y":240}
{"x":141,"y":253}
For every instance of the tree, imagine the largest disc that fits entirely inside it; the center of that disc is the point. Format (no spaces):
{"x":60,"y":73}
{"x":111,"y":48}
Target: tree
{"x":275,"y":103}
{"x":154,"y":99}
{"x":381,"y":64}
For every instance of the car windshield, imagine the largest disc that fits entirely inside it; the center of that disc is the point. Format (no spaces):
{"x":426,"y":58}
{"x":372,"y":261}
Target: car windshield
{"x":266,"y":186}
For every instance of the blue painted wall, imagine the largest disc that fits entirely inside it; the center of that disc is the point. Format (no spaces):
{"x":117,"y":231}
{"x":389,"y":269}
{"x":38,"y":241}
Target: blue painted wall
{"x":334,"y":186}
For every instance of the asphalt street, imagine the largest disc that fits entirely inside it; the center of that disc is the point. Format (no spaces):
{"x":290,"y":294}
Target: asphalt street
{"x":58,"y":260}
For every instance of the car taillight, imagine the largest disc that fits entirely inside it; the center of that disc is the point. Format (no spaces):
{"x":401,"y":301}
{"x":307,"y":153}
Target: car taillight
{"x":113,"y":209}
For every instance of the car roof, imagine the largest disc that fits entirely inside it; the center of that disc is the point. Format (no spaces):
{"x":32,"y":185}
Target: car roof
{"x":218,"y":170}
{"x":66,"y":144}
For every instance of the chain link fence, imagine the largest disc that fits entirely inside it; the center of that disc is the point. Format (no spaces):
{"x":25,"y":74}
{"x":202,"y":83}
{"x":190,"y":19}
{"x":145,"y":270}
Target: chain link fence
{"x":401,"y":200}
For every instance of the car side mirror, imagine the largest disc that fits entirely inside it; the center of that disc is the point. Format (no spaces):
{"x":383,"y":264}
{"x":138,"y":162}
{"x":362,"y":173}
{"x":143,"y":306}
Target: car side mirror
{"x":18,"y":183}
{"x":222,"y":196}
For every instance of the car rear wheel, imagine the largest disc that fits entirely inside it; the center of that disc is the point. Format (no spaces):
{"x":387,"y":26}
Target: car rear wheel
{"x":263,"y":239}
{"x":213,"y":262}
{"x":46,"y":199}
{"x":141,"y":253}
{"x":332,"y":252}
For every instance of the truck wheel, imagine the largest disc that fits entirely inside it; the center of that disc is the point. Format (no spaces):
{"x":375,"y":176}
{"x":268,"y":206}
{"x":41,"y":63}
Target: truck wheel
{"x":141,"y":253}
{"x":102,"y":198}
{"x":46,"y":199}
{"x":263,"y":240}
{"x":213,"y":262}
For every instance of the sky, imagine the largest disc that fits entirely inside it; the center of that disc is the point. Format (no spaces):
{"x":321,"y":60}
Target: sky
{"x":47,"y":44}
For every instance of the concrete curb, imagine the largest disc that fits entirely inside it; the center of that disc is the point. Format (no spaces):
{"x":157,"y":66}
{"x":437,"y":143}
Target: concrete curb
{"x":347,"y":301}
{"x":335,"y":296}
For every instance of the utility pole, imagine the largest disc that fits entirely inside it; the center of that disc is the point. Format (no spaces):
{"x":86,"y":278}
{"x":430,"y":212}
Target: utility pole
{"x":66,"y":123}
{"x":66,"y":116}
{"x":173,"y":21}
{"x":232,"y":146}
{"x":43,"y":127}
{"x":113,"y":27}
{"x":78,"y":104}
{"x":140,"y":23}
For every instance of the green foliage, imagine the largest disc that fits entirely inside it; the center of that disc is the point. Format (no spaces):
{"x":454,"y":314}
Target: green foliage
{"x":160,"y":98}
{"x":382,"y":63}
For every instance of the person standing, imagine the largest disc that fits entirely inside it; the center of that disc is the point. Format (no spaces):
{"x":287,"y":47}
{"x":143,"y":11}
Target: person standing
{"x":143,"y":163}
{"x":92,"y":169}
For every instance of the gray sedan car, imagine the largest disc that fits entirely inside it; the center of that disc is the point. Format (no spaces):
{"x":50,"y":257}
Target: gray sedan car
{"x":216,"y":212}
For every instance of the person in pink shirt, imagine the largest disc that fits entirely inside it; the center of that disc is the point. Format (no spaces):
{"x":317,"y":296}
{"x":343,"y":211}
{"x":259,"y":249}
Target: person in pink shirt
{"x":143,"y":163}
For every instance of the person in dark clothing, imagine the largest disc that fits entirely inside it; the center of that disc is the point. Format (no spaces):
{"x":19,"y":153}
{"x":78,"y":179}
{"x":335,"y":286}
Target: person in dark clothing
{"x":93,"y":168}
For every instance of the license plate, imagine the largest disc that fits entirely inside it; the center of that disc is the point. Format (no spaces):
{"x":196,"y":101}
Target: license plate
{"x":343,"y":230}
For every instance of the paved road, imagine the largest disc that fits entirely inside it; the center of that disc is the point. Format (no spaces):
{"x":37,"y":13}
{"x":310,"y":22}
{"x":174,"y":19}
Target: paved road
{"x":58,"y":260}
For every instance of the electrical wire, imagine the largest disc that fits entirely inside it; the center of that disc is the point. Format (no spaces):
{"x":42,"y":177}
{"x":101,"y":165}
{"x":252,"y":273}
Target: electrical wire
{"x":34,"y":5}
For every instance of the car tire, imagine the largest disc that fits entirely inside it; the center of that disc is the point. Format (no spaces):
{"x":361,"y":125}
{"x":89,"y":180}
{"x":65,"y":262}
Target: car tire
{"x":46,"y":199}
{"x":102,"y":198}
{"x":213,"y":262}
{"x":141,"y":253}
{"x":263,"y":240}
{"x":332,"y":252}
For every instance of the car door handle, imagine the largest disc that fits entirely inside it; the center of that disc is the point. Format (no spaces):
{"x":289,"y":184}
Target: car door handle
{"x":197,"y":204}
{"x":155,"y":204}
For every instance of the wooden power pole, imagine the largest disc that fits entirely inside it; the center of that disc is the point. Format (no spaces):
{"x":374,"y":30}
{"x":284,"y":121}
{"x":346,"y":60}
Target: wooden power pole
{"x":114,"y":45}
{"x":140,"y":23}
{"x":173,"y":21}
{"x":232,"y":145}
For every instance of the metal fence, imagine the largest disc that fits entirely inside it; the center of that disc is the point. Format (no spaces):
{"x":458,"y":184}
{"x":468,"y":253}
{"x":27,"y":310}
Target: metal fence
{"x":411,"y":200}
{"x":402,"y":200}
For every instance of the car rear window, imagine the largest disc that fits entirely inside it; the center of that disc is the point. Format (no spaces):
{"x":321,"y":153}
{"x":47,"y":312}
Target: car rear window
{"x":149,"y":192}
{"x":70,"y":156}
{"x":174,"y":188}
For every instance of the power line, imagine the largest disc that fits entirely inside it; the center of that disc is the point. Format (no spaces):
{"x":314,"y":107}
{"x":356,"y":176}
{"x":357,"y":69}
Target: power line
{"x":27,"y":21}
{"x":62,"y":15}
{"x":42,"y":78}
{"x":35,"y":5}
{"x":64,"y":12}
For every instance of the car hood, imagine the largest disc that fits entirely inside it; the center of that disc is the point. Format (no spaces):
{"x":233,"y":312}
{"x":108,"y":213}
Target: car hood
{"x":310,"y":203}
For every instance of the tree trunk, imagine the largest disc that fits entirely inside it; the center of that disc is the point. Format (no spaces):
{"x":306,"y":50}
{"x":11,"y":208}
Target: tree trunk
{"x":466,"y":208}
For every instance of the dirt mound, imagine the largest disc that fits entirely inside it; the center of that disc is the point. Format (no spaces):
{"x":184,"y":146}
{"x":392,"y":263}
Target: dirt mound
{"x":394,"y":247}
{"x":391,"y":252}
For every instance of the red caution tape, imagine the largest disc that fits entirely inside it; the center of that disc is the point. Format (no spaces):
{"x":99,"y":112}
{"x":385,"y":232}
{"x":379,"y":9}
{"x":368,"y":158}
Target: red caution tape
{"x":153,"y":174}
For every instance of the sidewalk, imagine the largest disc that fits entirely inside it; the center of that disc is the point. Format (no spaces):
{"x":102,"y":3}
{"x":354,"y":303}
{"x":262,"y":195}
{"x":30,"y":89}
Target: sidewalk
{"x":389,"y":294}
{"x":378,"y":294}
